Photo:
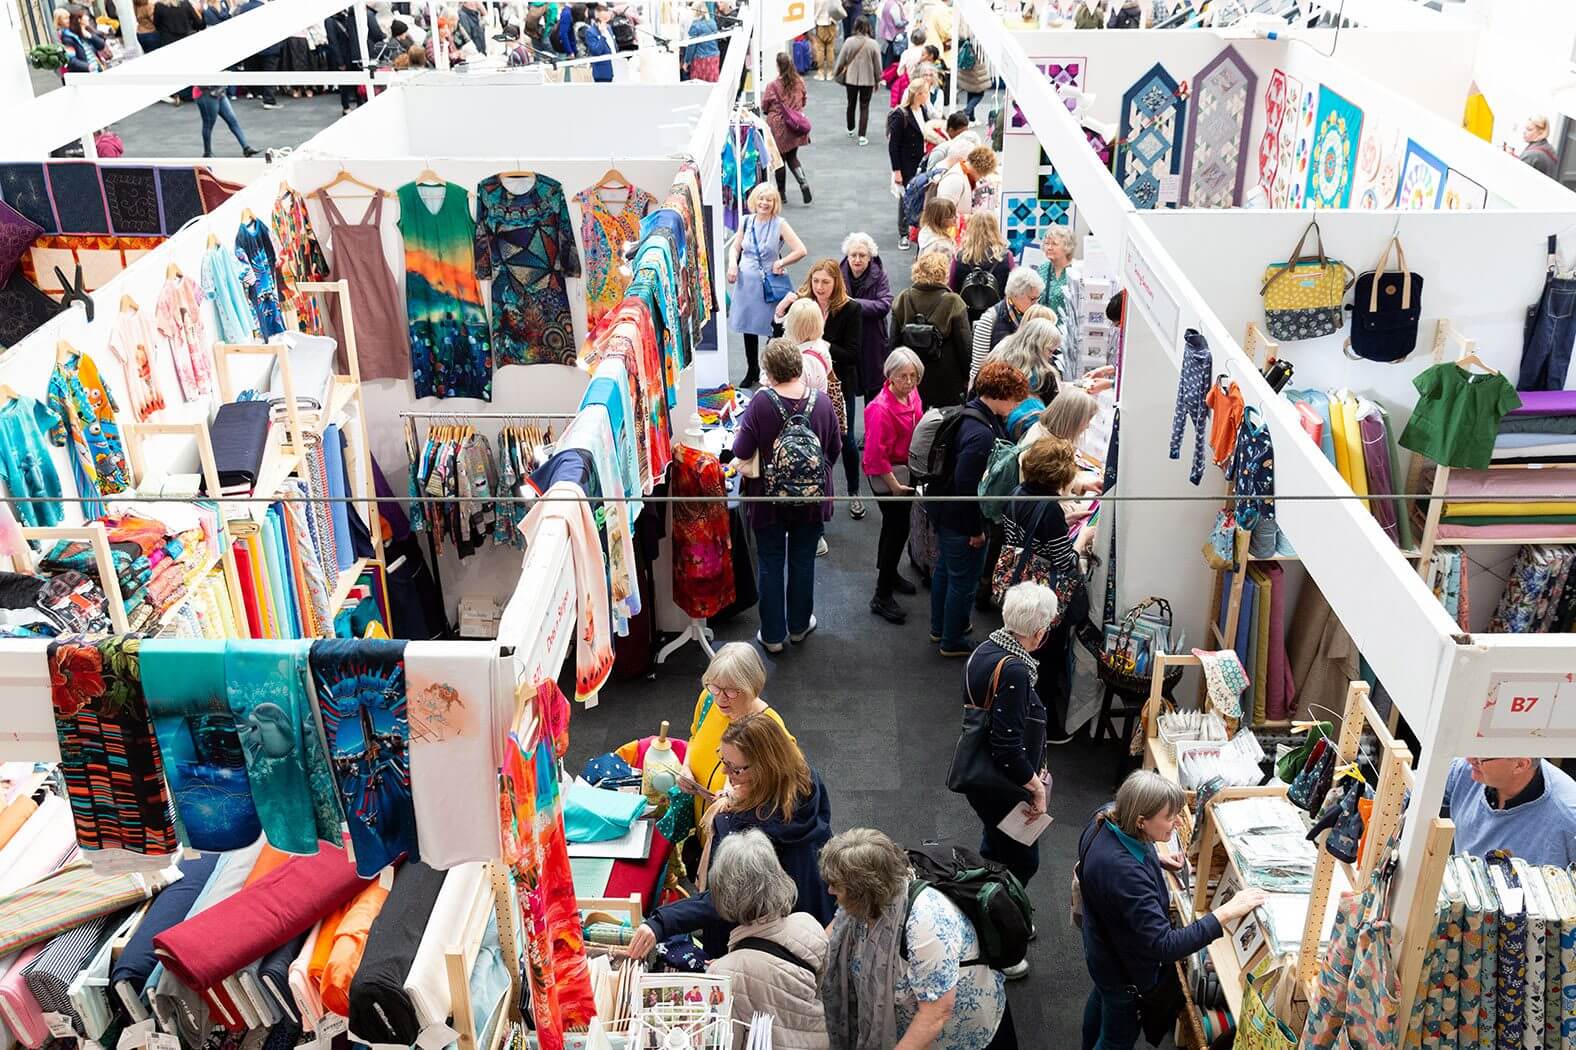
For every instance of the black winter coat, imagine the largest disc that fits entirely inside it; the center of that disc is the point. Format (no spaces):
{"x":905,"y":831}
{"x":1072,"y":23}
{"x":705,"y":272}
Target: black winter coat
{"x":905,"y":142}
{"x":176,"y":21}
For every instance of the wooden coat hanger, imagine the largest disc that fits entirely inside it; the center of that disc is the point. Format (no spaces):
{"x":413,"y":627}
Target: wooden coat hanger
{"x":246,"y":216}
{"x":1468,"y":359}
{"x":8,"y":395}
{"x":345,"y":176}
{"x":428,"y":177}
{"x":172,"y":271}
{"x":63,"y":350}
{"x":128,"y":304}
{"x":213,"y":240}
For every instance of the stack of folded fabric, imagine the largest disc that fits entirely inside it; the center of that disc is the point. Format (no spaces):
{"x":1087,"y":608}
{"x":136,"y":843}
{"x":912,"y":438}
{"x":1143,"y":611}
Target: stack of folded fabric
{"x":1543,"y":429}
{"x":1511,"y":504}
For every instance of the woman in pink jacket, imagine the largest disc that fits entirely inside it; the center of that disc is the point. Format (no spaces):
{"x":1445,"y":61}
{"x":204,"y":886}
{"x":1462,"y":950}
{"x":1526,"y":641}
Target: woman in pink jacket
{"x":890,"y":418}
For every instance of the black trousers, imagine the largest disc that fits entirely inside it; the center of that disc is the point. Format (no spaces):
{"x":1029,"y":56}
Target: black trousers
{"x":790,"y":163}
{"x":1023,"y":861}
{"x":861,"y":97}
{"x":890,"y":544}
{"x":851,"y":457}
{"x":1006,"y":1037}
{"x":266,"y":64}
{"x":752,"y":356}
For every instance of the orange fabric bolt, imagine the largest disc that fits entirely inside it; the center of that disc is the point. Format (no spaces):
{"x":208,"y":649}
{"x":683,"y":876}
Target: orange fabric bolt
{"x":350,"y":940}
{"x":325,"y":944}
{"x":14,"y":816}
{"x":267,"y":861}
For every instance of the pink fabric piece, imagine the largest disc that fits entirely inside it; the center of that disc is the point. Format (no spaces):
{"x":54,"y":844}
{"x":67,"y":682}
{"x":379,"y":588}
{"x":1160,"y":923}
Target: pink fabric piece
{"x":20,"y":1009}
{"x":594,"y":648}
{"x":288,"y":901}
{"x":1529,"y":533}
{"x":1494,"y":484}
{"x":1280,"y":688}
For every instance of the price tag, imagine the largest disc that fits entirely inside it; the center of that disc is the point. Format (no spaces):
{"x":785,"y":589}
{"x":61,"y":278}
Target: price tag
{"x":163,"y":1041}
{"x":135,"y":1036}
{"x":386,"y":877}
{"x":59,"y":1026}
{"x":331,"y":1025}
{"x":1170,"y":189}
{"x":436,"y":1037}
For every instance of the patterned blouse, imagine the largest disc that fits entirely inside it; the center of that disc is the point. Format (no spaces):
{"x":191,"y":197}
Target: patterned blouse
{"x":939,"y":938}
{"x":300,"y":258}
{"x":525,"y":245}
{"x":603,"y":233}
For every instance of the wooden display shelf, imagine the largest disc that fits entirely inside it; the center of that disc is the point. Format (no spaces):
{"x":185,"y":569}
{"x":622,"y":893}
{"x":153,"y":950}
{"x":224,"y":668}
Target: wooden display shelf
{"x":345,"y":584}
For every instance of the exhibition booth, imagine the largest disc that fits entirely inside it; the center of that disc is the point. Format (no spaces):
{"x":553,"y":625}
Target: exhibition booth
{"x":1195,"y":278}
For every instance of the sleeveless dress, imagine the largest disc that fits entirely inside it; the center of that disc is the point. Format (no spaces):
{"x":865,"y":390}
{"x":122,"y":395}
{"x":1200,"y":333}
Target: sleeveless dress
{"x":749,"y":313}
{"x":382,"y":343}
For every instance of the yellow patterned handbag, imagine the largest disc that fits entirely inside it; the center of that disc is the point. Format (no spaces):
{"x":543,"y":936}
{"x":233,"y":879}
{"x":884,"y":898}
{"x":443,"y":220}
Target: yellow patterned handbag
{"x":1303,"y":296}
{"x":1267,"y":1009}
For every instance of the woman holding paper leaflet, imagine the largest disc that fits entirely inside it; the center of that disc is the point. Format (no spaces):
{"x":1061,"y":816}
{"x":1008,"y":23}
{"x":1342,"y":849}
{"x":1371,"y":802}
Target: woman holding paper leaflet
{"x":1017,"y":724}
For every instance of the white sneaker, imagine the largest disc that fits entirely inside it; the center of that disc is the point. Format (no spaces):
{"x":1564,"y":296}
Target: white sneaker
{"x":850,"y":132}
{"x":771,"y":647}
{"x":802,"y":635}
{"x":1016,"y":972}
{"x":903,"y":245}
{"x":821,"y":548}
{"x":863,"y":141}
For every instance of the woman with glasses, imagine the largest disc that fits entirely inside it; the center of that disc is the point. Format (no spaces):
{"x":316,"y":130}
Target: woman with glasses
{"x":771,"y":788}
{"x":730,"y":691}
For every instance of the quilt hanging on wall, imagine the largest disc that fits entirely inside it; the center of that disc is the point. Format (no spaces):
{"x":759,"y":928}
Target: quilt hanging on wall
{"x":1269,"y":142}
{"x":1462,"y":194}
{"x":1028,"y":216}
{"x":1307,"y":109}
{"x":1150,"y":146}
{"x":1066,"y":75}
{"x":1422,"y":179}
{"x":1217,"y":155}
{"x":1337,"y":132}
{"x":1286,"y":168}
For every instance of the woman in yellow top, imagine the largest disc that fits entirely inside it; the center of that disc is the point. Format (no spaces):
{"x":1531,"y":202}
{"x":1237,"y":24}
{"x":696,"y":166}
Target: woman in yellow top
{"x":731,"y":690}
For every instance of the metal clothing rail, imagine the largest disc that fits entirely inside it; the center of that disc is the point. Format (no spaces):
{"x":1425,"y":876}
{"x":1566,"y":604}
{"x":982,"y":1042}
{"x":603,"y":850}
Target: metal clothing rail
{"x":488,"y":415}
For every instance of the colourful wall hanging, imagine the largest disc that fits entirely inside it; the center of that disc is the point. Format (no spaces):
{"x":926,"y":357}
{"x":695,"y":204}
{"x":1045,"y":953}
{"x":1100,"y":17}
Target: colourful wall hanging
{"x":1063,"y":74}
{"x":1150,"y":146}
{"x":1306,"y":110}
{"x":1269,"y":142}
{"x":1422,"y":179}
{"x":1217,"y":155}
{"x":1462,"y":194}
{"x":1337,"y":132}
{"x":1286,"y":168}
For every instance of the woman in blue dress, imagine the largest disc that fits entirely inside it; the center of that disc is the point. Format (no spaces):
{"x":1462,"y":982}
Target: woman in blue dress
{"x":758,"y":249}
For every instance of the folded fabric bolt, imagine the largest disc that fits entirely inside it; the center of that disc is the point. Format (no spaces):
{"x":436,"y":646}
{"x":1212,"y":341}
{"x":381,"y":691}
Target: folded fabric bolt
{"x":1530,"y":439}
{"x":350,"y":942}
{"x":1512,"y":521}
{"x":274,"y":975}
{"x":22,"y":1014}
{"x":1508,"y":508}
{"x":1545,"y":403}
{"x":303,"y":989}
{"x":49,"y":976}
{"x":68,"y":898}
{"x":427,"y":984}
{"x":29,"y":704}
{"x":207,"y":948}
{"x":597,"y":815}
{"x":42,"y":846}
{"x":1225,"y":680}
{"x":380,"y":1009}
{"x":136,"y":961}
{"x":14,"y":816}
{"x":1493,"y":484}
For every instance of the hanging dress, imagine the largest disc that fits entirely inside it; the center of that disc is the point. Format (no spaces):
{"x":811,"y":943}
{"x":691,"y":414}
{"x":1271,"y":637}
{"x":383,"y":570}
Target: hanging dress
{"x":86,"y":413}
{"x":300,"y":258}
{"x":749,"y":313}
{"x":525,"y":244}
{"x":131,"y":341}
{"x":450,"y":346}
{"x":382,"y":344}
{"x":178,"y":317}
{"x":224,"y":279}
{"x":255,"y":249}
{"x":604,"y":231}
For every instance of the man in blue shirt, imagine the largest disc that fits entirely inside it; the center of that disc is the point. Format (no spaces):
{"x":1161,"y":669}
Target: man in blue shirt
{"x":1524,"y":805}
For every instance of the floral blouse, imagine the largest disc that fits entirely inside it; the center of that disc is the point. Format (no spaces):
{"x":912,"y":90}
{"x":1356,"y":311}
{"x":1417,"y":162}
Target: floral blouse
{"x":300,"y":258}
{"x":939,"y":938}
{"x":603,"y":233}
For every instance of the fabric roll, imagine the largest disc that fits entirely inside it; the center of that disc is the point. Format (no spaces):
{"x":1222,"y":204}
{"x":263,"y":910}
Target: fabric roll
{"x":264,"y":588}
{"x":1545,"y":403}
{"x":202,"y":751}
{"x":267,"y":693}
{"x":1279,"y":687}
{"x":274,"y":976}
{"x":14,"y":816}
{"x":177,"y":1005}
{"x":1338,"y":435}
{"x":1261,"y":644}
{"x":283,"y":598}
{"x":137,"y":960}
{"x":315,"y":583}
{"x":349,"y":944}
{"x":282,"y":905}
{"x":90,"y":990}
{"x":68,"y":898}
{"x":455,"y":719}
{"x":20,"y":1009}
{"x":360,"y":687}
{"x":1509,"y":508}
{"x":489,"y":978}
{"x":29,"y":733}
{"x":42,"y":845}
{"x":380,"y":1008}
{"x":1352,"y":435}
{"x":1376,"y":460}
{"x":303,"y":987}
{"x":1243,"y":642}
{"x":50,"y":975}
{"x":243,"y":566}
{"x":427,"y":984}
{"x":334,"y":457}
{"x":1466,"y":485}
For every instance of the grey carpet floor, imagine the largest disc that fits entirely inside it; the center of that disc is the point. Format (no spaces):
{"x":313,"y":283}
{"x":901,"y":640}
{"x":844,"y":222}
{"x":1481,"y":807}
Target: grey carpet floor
{"x":873,"y":705}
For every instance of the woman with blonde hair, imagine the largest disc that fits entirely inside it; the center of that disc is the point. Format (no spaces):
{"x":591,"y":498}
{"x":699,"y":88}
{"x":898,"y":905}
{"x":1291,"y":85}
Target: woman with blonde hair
{"x":983,"y":263}
{"x":906,"y":144}
{"x":1034,"y":349}
{"x":804,"y":326}
{"x":773,"y":789}
{"x":730,"y":692}
{"x":938,"y":228}
{"x":765,"y":244}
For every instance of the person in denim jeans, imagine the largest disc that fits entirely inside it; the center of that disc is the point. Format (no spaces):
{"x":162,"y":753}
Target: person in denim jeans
{"x":960,"y":528}
{"x":786,"y":534}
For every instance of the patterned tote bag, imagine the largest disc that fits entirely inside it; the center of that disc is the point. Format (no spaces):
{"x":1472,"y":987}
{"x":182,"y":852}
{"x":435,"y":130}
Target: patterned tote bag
{"x":1510,"y":979}
{"x":1327,"y":1008}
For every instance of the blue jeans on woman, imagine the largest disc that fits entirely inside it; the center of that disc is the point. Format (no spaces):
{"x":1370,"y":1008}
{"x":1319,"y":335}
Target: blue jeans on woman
{"x":953,"y":584}
{"x":786,"y":604}
{"x":213,"y":105}
{"x":1110,"y":1019}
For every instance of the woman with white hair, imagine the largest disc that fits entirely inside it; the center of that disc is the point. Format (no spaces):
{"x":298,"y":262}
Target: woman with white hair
{"x":1021,"y":292}
{"x":1002,"y":673}
{"x":890,"y":419}
{"x":1057,"y":243}
{"x":865,"y":280}
{"x":775,"y":954}
{"x":1034,"y":350}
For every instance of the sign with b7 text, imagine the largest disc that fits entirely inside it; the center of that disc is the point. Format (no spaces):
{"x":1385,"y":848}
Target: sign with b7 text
{"x":1524,"y":705}
{"x":782,"y":20}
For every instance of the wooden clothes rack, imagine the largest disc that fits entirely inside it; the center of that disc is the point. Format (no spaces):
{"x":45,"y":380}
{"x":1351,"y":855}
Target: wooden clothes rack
{"x":97,"y":535}
{"x":495,"y":900}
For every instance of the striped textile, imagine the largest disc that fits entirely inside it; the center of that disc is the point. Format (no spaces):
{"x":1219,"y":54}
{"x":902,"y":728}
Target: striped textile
{"x":49,"y":976}
{"x":65,"y":900}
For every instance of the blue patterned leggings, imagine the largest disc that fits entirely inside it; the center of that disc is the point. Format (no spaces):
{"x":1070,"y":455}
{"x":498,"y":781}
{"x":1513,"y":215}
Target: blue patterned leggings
{"x":1196,"y":368}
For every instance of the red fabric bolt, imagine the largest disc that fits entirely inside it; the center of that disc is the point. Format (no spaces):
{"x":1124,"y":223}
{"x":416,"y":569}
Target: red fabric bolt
{"x":213,"y":944}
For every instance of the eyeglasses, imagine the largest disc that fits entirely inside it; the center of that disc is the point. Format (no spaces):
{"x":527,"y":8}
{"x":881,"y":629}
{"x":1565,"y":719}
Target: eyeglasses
{"x":726,"y":692}
{"x":733,"y":770}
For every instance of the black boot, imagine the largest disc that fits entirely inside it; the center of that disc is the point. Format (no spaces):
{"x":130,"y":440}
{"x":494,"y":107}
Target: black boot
{"x":888,"y":610}
{"x":804,"y":183}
